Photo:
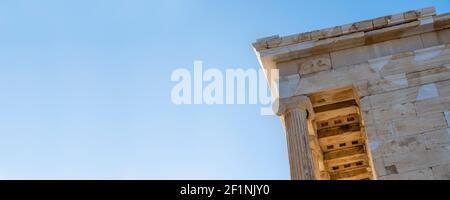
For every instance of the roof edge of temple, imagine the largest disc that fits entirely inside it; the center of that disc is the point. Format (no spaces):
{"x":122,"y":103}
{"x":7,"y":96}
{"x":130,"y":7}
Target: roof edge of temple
{"x":276,"y":41}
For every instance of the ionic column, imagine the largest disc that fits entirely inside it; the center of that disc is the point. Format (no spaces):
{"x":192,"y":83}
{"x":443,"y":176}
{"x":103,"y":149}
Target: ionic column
{"x":294,"y":113}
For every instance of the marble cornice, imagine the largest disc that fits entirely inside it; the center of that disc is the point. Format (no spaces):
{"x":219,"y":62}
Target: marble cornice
{"x":279,"y":49}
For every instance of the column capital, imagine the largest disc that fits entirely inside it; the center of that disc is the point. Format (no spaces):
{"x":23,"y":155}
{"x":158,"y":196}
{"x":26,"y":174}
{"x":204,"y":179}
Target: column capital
{"x":288,"y":104}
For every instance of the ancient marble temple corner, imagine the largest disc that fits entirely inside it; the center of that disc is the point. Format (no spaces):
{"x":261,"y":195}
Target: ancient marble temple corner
{"x":365,"y":100}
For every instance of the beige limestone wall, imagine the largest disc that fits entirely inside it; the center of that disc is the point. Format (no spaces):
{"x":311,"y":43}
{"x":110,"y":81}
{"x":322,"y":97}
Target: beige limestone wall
{"x":405,"y":112}
{"x":400,"y":67}
{"x":404,"y":85}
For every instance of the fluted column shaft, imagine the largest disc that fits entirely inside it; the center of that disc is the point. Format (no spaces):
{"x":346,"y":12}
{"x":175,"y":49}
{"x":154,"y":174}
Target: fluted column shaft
{"x":295,"y":111}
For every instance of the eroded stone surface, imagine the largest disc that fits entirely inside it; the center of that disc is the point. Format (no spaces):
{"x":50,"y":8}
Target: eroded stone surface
{"x":399,"y":69}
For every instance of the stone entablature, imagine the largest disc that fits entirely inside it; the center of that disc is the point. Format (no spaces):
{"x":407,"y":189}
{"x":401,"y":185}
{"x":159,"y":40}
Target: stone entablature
{"x":381,"y":74}
{"x":398,"y":67}
{"x":421,"y":16}
{"x":398,"y":34}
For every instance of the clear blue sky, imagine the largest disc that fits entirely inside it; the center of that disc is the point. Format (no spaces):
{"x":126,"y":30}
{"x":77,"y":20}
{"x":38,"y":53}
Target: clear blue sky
{"x":85,"y":85}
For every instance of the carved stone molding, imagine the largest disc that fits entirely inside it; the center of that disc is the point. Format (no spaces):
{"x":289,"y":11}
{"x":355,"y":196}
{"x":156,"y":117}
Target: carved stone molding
{"x":315,"y":65}
{"x":285,"y":105}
